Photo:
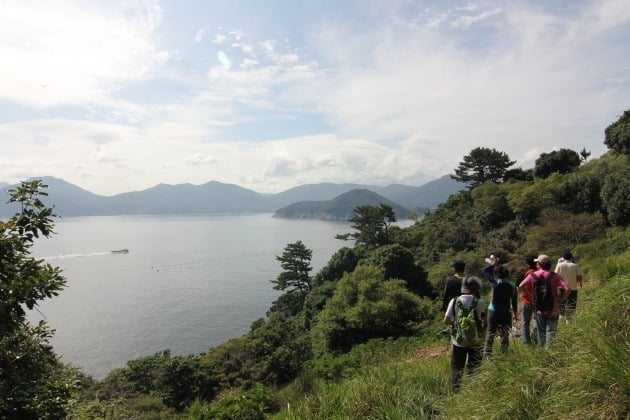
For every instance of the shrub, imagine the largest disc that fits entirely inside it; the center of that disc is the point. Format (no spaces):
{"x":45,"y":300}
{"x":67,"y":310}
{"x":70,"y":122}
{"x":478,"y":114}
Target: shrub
{"x":615,"y":198}
{"x":365,"y":306}
{"x":252,"y":404}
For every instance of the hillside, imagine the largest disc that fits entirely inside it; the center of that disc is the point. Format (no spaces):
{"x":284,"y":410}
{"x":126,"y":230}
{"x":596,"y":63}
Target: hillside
{"x":362,"y":340}
{"x":339,"y":208}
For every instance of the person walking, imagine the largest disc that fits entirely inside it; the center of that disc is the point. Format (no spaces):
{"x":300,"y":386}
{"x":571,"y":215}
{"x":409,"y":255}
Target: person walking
{"x":466,"y":314}
{"x":527,"y":303}
{"x":453,"y":283}
{"x":548,"y":290}
{"x":572,"y":274}
{"x":503,"y":306}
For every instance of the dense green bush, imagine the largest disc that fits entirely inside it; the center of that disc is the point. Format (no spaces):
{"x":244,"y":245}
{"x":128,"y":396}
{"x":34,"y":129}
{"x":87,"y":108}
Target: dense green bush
{"x":581,"y":193}
{"x":252,"y":404}
{"x":177,"y":380}
{"x":559,"y":230}
{"x":366,"y":306}
{"x":615,"y":198}
{"x":617,"y":134}
{"x":561,"y":161}
{"x":398,"y":262}
{"x":33,"y":381}
{"x":342,"y":261}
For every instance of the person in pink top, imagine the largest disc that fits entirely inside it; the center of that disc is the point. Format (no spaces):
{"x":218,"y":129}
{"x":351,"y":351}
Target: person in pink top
{"x":527,"y":304}
{"x":547,"y":311}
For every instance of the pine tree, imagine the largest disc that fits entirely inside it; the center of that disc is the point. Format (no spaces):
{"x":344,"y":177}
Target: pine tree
{"x":296,"y":261}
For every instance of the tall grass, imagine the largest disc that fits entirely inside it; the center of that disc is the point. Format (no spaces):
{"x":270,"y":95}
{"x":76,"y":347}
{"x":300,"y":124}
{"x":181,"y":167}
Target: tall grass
{"x":584,"y":375}
{"x":394,"y":390}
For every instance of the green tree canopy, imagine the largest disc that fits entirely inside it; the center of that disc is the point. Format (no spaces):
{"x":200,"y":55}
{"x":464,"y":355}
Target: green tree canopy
{"x":581,"y":193}
{"x":366,"y":306}
{"x":33,"y":382}
{"x":342,"y":261}
{"x":483,"y":165}
{"x":617,"y":134}
{"x":615,"y":195}
{"x":296,"y":262}
{"x":372,"y":224}
{"x":562,"y":161}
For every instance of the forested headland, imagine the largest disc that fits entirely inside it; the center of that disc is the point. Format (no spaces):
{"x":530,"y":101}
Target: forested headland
{"x":360,"y":338}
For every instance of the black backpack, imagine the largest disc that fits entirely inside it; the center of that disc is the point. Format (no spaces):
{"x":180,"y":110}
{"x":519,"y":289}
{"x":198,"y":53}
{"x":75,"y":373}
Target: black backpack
{"x":542,"y":293}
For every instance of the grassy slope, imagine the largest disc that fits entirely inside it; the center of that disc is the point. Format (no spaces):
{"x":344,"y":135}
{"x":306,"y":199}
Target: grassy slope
{"x":586,"y":374}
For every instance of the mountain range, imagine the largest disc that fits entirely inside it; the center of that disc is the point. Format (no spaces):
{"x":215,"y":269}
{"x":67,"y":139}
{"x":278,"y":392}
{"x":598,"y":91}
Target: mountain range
{"x":215,"y":197}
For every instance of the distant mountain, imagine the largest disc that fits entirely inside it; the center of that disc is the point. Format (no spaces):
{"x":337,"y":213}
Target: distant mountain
{"x":340,"y":208}
{"x":429,"y":195}
{"x":216,"y":197}
{"x":68,"y":199}
{"x":212,"y":197}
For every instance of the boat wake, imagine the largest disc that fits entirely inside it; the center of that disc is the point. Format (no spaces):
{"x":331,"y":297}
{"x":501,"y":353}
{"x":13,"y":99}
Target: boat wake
{"x":88,"y":254}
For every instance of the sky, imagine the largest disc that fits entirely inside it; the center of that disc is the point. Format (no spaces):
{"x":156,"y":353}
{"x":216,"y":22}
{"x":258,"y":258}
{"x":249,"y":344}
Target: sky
{"x":118,"y":95}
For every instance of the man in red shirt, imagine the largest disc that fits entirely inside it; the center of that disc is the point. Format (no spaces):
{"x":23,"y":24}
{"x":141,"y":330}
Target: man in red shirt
{"x":546,"y":319}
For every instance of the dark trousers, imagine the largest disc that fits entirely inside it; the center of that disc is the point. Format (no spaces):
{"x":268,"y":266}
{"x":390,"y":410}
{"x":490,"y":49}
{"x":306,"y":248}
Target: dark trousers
{"x":567,"y":308}
{"x":463,"y":357}
{"x":526,"y":317}
{"x":501,"y":325}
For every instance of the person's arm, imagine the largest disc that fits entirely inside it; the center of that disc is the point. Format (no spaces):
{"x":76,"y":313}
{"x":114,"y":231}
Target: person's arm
{"x":562,"y":283}
{"x":448,"y":315}
{"x":487,"y":273}
{"x":446,"y":298}
{"x":515,"y":303}
{"x":522,"y":286}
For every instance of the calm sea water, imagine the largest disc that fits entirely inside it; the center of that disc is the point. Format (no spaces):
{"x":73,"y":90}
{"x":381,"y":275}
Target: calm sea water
{"x":187,"y":284}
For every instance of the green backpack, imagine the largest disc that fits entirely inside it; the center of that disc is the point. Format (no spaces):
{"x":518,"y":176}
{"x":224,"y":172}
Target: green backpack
{"x":466,"y":326}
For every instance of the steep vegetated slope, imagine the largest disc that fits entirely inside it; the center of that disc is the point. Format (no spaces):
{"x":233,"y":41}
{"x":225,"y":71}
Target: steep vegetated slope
{"x":343,"y":345}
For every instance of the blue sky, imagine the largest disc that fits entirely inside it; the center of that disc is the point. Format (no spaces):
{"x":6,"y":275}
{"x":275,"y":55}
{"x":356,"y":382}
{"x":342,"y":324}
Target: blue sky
{"x":118,"y":96}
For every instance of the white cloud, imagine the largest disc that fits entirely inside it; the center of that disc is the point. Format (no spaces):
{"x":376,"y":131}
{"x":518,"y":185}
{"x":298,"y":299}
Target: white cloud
{"x":57,"y":53}
{"x":200,"y":159}
{"x":219,"y":39}
{"x":224,"y":60}
{"x":528,"y":84}
{"x":404,"y":100}
{"x":281,"y":167}
{"x":465,"y":22}
{"x":199,"y":35}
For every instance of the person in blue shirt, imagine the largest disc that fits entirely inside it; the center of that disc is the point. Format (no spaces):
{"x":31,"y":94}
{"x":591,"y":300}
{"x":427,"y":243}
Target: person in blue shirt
{"x":503,"y":308}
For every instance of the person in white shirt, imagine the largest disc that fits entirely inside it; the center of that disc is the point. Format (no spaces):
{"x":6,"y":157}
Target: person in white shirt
{"x":572,"y":274}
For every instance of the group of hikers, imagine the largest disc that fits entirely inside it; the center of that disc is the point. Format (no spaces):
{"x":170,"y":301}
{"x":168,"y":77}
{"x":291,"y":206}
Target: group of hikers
{"x":546,"y":296}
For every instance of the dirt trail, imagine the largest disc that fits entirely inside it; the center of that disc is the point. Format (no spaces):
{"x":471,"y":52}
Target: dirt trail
{"x":429,"y":352}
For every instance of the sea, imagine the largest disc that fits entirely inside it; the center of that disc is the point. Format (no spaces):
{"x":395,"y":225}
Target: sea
{"x":187,"y":283}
